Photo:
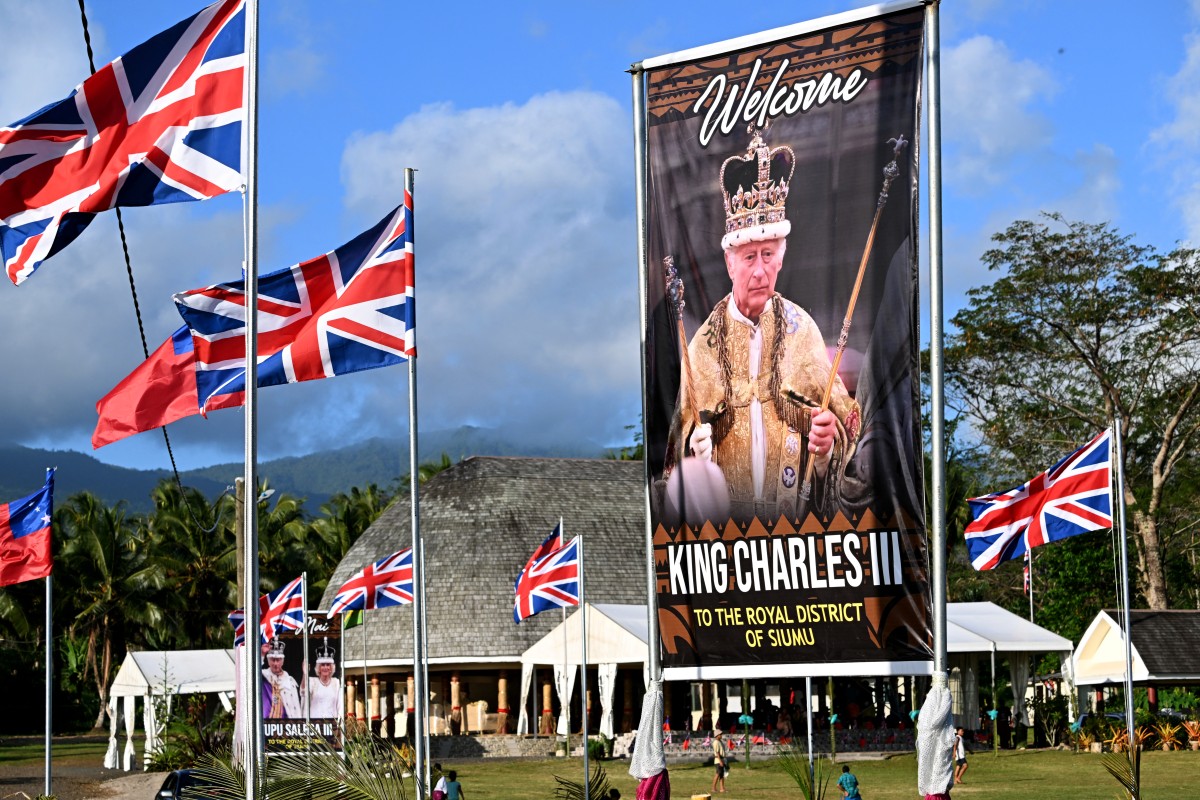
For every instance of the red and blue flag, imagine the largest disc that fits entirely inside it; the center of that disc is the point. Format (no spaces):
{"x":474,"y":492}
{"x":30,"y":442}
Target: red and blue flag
{"x":551,"y":581}
{"x":348,"y":310}
{"x":280,"y":610}
{"x":160,"y":124}
{"x":387,"y":582}
{"x":551,"y":543}
{"x":1070,"y":498}
{"x":25,"y":536}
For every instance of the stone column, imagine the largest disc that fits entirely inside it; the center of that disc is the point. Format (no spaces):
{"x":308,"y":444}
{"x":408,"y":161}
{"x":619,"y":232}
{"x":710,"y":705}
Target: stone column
{"x":502,"y":702}
{"x":706,"y":722}
{"x":351,"y":707}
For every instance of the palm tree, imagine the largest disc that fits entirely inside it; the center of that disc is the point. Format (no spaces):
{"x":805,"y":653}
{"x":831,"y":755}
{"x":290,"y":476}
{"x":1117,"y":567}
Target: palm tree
{"x":193,"y":543}
{"x":106,"y":585}
{"x":343,"y":519}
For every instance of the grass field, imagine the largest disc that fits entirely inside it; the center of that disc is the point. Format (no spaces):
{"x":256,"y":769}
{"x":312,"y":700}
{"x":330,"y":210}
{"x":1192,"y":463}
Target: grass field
{"x":1013,"y":775}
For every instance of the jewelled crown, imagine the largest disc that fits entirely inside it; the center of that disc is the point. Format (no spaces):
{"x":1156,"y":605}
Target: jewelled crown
{"x":325,"y":653}
{"x":275,"y":648}
{"x":754,"y":188}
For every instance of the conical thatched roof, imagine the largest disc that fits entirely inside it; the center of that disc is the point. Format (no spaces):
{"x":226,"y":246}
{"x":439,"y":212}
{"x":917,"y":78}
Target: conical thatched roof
{"x":480,"y":521}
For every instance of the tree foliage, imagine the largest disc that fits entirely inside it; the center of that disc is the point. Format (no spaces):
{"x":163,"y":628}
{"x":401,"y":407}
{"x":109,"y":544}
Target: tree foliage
{"x":1083,"y":326}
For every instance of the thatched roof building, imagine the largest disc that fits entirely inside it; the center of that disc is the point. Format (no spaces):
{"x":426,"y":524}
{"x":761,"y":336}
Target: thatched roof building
{"x":480,"y":521}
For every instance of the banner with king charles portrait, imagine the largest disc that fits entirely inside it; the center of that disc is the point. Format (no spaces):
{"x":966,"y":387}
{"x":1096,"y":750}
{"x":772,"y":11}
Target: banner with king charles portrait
{"x":783,"y":384}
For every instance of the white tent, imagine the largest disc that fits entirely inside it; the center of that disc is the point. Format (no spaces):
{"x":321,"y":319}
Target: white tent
{"x":616,"y":634}
{"x":163,"y":674}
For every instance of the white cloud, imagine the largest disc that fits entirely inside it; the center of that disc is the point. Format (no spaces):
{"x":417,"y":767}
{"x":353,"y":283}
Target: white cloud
{"x":987,"y":101}
{"x":526,"y":271}
{"x":1177,"y":142}
{"x":43,"y":56}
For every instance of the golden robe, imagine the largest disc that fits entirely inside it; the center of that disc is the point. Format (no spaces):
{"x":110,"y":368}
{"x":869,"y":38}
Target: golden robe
{"x":793,"y":370}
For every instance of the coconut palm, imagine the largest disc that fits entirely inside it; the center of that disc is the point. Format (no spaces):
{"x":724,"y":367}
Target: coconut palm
{"x":105,"y":585}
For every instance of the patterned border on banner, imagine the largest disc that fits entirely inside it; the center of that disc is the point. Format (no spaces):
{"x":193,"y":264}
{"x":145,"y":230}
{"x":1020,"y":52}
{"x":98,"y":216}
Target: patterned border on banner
{"x":782,"y":217}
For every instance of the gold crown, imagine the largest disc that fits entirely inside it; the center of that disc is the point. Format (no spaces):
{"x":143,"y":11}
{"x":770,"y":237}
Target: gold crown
{"x":275,"y":648}
{"x":754,"y":188}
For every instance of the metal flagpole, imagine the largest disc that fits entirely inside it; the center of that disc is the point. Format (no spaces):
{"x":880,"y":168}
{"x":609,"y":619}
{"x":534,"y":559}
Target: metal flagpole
{"x":419,"y":678}
{"x":566,"y":684}
{"x":49,"y":677}
{"x":936,"y":342}
{"x":583,"y":669}
{"x":653,"y":660}
{"x":425,"y":661}
{"x":366,"y":695}
{"x":808,"y":712}
{"x":1029,"y":555}
{"x":253,"y":711}
{"x":304,"y":620}
{"x":1127,"y":617}
{"x":995,"y":708}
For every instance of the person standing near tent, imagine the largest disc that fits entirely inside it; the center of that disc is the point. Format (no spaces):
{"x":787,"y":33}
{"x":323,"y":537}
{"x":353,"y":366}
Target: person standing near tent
{"x":719,"y":764}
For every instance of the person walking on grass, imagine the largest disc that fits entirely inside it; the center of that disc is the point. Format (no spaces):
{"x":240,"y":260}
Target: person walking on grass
{"x":960,"y":756}
{"x":718,"y":748}
{"x":849,"y":784}
{"x":454,"y":790}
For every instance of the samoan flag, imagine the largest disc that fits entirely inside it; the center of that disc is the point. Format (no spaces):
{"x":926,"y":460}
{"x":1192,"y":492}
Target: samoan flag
{"x":550,"y":582}
{"x":1070,"y":498}
{"x":25,"y":553}
{"x":160,"y":124}
{"x":282,"y":609}
{"x":345,"y":311}
{"x":387,"y":582}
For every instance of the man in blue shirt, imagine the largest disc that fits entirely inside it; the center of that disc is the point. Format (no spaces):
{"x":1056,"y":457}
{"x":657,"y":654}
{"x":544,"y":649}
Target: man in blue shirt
{"x":849,"y":784}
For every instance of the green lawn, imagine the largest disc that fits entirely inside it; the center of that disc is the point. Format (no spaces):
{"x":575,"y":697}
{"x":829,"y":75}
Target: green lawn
{"x":1013,"y":775}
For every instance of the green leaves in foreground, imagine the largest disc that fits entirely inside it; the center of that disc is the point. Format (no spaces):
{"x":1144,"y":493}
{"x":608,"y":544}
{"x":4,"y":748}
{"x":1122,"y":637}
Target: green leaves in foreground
{"x":598,"y":787}
{"x":814,"y":784}
{"x":1126,"y":769}
{"x":369,"y":769}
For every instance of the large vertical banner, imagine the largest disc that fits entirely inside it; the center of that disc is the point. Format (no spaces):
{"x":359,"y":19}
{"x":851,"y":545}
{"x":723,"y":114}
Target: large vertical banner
{"x":787,"y":497}
{"x":295,"y":691}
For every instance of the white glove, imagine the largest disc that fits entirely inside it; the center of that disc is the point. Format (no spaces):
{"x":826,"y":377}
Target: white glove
{"x":700,"y":442}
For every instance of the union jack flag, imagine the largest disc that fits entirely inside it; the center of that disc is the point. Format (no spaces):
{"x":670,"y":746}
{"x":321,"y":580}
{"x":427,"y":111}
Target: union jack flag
{"x":282,"y":609}
{"x":387,"y":582}
{"x":1070,"y":498}
{"x":552,"y":543}
{"x":550,"y":582}
{"x":161,"y":124}
{"x":348,"y":310}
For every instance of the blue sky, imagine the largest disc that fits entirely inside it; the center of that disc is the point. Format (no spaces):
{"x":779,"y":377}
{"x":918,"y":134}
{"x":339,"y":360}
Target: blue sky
{"x":518,"y":119}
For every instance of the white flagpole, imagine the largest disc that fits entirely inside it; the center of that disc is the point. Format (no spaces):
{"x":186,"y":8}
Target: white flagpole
{"x":304,"y":622}
{"x":583,"y":669}
{"x":419,"y":676}
{"x":366,"y":695}
{"x":566,"y":684}
{"x":252,"y":714}
{"x":1118,"y":451}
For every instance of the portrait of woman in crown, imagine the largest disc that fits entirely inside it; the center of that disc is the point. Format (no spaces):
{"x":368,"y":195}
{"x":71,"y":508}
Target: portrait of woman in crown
{"x":323,"y":689}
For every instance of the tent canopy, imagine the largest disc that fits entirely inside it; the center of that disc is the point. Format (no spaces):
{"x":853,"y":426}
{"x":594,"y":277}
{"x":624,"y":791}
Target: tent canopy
{"x":974,"y":627}
{"x":1164,"y":645}
{"x":174,"y":672}
{"x":616,"y":635}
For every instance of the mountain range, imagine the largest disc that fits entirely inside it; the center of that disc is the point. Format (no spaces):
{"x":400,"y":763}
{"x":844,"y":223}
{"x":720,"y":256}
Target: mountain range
{"x":316,"y":477}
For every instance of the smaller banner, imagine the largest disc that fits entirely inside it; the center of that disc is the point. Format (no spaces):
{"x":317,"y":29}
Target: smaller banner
{"x":304,"y":701}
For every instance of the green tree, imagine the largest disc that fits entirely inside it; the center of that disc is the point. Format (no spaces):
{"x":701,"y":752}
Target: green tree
{"x":1083,"y":326}
{"x":192,"y":544}
{"x":105,"y":585}
{"x":343,"y":519}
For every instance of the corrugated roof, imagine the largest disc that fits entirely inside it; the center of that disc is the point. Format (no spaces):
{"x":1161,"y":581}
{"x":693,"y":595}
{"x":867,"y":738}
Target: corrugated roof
{"x":480,"y":521}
